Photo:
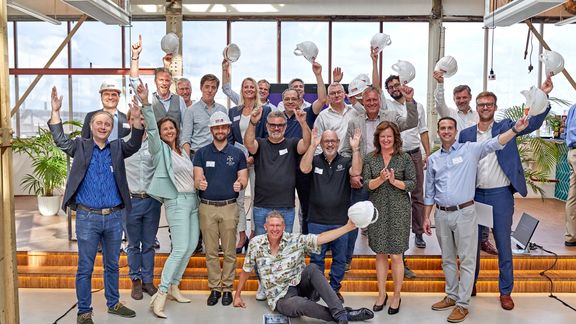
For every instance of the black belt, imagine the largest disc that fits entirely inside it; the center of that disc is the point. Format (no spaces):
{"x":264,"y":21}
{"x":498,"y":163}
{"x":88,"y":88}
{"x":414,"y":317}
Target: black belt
{"x":139,"y":195}
{"x":218,"y":202}
{"x":455,"y":208}
{"x":416,"y":150}
{"x":103,"y":211}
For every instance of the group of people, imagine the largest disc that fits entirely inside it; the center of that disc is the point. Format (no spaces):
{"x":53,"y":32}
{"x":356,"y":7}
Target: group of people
{"x":198,"y":158}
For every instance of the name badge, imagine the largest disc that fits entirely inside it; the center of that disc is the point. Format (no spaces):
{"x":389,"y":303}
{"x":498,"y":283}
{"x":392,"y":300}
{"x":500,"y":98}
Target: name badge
{"x":318,"y":170}
{"x":283,"y":151}
{"x":457,"y":160}
{"x":125,"y":125}
{"x":210,"y":164}
{"x":237,"y":118}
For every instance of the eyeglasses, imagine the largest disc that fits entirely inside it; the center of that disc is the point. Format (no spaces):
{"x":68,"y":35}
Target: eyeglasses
{"x":276,"y":125}
{"x":394,"y":86}
{"x":485,"y":105}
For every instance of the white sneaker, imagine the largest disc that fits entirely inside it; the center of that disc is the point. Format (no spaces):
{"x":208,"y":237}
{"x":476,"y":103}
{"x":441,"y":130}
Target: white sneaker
{"x":260,"y":293}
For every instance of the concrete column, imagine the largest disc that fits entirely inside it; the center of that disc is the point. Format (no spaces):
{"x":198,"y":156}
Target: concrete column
{"x":435,"y":52}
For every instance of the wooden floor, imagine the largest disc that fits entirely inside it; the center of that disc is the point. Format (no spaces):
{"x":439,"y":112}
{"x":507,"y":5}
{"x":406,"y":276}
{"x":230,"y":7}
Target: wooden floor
{"x":50,"y":234}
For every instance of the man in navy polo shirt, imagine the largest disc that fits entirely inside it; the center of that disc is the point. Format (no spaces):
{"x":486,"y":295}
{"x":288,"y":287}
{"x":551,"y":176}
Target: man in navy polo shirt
{"x":330,"y":196}
{"x":220,"y":173}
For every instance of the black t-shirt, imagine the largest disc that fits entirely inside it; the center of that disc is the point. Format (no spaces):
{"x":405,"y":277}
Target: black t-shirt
{"x":330,"y":190}
{"x":275,"y":167}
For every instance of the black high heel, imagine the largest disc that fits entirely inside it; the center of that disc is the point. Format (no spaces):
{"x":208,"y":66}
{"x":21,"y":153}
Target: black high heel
{"x":392,"y":311}
{"x":377,"y":307}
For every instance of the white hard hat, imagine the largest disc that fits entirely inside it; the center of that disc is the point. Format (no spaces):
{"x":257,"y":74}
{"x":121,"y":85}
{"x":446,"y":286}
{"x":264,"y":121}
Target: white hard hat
{"x":307,"y":49}
{"x":231,"y":52}
{"x":363,"y":213}
{"x":553,"y":62}
{"x":219,"y":118}
{"x":170,"y":43}
{"x":406,"y":71}
{"x":110,"y":85}
{"x":536,"y":100}
{"x":448,"y":65}
{"x":379,"y":41}
{"x":357,"y":86}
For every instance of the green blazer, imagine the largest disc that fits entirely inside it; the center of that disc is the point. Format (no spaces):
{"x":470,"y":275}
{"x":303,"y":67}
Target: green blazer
{"x":162,"y":186}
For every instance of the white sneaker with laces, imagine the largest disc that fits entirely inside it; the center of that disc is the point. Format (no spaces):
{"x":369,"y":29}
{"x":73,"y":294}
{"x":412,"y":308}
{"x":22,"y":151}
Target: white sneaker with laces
{"x":260,"y":293}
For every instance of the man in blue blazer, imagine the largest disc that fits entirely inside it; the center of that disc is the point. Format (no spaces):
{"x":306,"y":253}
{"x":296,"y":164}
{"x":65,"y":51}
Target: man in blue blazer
{"x":499,"y":176}
{"x":97,"y":189}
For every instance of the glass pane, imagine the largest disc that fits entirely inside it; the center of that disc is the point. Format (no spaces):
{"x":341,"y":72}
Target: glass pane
{"x":35,"y":110}
{"x":297,"y":66}
{"x":465,"y":42}
{"x":202,"y":53}
{"x":90,"y":49}
{"x":409,"y":43}
{"x":258,"y":59}
{"x":351,"y":47}
{"x":152,"y":33}
{"x":555,"y":36}
{"x":510,"y":67}
{"x":37,"y":42}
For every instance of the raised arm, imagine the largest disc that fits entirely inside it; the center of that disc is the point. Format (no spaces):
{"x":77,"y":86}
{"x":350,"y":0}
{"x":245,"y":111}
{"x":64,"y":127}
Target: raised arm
{"x":439,"y":101}
{"x":320,"y":89}
{"x":354,"y":141}
{"x":250,"y":136}
{"x":61,"y":140}
{"x":411,"y":119}
{"x":375,"y":72}
{"x":226,"y":86}
{"x":306,"y":161}
{"x":331,"y":235}
{"x":134,"y":62}
{"x":304,"y":142}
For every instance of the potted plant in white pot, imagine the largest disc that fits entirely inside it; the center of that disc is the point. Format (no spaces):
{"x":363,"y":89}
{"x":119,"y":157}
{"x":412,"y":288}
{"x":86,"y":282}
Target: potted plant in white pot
{"x":49,"y":168}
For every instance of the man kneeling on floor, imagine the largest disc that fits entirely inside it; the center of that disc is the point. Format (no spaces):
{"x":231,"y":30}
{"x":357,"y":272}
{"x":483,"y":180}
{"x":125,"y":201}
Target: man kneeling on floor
{"x":290,"y":283}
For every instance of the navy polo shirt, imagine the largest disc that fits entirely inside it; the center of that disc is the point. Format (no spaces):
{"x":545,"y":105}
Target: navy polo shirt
{"x":99,"y":189}
{"x":293,"y":128}
{"x":330,"y":190}
{"x":220,"y":170}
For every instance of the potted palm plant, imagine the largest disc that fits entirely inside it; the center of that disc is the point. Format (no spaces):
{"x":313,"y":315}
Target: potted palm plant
{"x":49,"y":168}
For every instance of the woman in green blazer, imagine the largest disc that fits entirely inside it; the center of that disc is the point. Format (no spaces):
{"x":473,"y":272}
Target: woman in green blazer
{"x":173,"y":185}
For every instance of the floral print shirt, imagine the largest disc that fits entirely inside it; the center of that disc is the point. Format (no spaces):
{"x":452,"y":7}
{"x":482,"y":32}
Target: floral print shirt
{"x":278,"y":272}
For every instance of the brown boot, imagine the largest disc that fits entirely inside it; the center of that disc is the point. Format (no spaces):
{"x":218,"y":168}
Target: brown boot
{"x":136,"y":289}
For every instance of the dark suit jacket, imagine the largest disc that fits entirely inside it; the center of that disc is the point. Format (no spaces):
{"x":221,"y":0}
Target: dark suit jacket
{"x":122,"y":121}
{"x":80,"y":149}
{"x":235,"y":134}
{"x":508,"y":157}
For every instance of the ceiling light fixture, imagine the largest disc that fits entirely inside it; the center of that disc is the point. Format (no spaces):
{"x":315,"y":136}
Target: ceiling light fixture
{"x":517,"y":11}
{"x":31,"y":12}
{"x":102,"y":10}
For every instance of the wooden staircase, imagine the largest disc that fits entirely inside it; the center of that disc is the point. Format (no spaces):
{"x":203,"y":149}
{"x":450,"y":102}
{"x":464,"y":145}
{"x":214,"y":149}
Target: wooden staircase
{"x":58,"y":269}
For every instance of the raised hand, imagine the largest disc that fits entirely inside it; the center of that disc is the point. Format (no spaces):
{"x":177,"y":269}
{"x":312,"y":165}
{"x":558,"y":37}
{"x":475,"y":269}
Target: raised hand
{"x":521,"y":124}
{"x":300,"y":115}
{"x":55,"y":100}
{"x":337,"y":74}
{"x":137,"y":48}
{"x":225,"y":65}
{"x":256,"y":115}
{"x":316,"y":68}
{"x":355,"y":139}
{"x":407,"y":92}
{"x":374,"y":53}
{"x":142,"y":92}
{"x":316,"y":138}
{"x":167,"y":60}
{"x":547,"y":85}
{"x":439,"y":76}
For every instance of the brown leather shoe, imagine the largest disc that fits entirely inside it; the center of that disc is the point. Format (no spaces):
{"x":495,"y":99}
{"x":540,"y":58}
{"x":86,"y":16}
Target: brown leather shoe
{"x":488,"y":247}
{"x":445,"y":303}
{"x":136,"y":289}
{"x":506,"y":302}
{"x":458,"y":314}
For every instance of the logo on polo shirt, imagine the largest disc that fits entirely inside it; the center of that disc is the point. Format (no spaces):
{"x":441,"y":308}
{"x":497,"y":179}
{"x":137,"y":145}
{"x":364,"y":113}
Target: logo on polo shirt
{"x":230,"y":160}
{"x":340,"y":167}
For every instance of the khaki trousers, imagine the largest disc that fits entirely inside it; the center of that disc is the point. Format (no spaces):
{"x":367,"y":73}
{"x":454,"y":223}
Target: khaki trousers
{"x":218,"y":225}
{"x":570,"y":235}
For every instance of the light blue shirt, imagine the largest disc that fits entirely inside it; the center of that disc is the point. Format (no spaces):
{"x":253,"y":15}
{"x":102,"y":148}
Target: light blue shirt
{"x":195,"y":120}
{"x":451,"y":175}
{"x":570,"y":130}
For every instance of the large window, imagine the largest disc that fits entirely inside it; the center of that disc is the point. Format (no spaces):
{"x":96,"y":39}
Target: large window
{"x":37,"y":42}
{"x":257,"y":42}
{"x":351,"y":47}
{"x":297,"y":66}
{"x":97,"y":45}
{"x":152,"y":33}
{"x":202,"y":53}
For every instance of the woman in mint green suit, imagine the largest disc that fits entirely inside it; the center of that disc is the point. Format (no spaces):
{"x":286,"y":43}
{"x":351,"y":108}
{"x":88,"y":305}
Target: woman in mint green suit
{"x":173,"y":185}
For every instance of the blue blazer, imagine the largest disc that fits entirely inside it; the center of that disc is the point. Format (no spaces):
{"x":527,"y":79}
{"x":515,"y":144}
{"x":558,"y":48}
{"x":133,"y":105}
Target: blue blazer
{"x":508,"y":157}
{"x":80,"y":149}
{"x":235,"y":135}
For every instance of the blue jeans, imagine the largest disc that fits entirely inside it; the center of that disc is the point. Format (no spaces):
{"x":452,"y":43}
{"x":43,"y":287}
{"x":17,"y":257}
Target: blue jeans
{"x":338,"y":247}
{"x":141,"y":229}
{"x":502,"y":202}
{"x":182,"y":216}
{"x":355,"y":196}
{"x":92,"y":229}
{"x":260,"y":214}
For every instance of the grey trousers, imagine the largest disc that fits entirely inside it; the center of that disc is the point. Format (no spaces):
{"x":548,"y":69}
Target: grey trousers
{"x":457,"y":234}
{"x":297,"y":301}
